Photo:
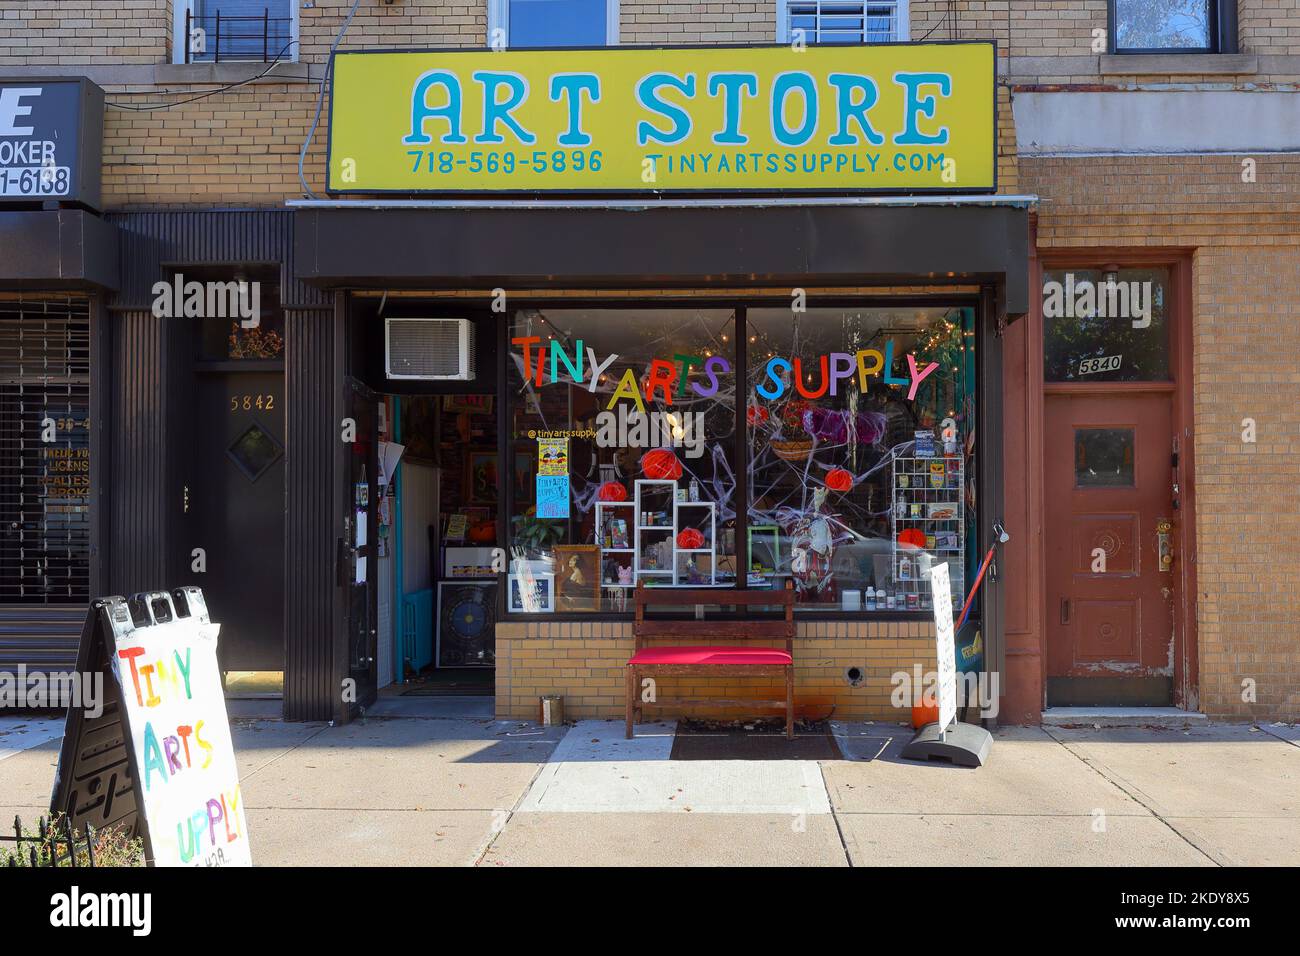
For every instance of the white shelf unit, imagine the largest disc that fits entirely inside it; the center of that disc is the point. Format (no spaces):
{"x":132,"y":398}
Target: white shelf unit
{"x":939,"y":513}
{"x":654,"y":496}
{"x":682,"y":512}
{"x":627,"y":511}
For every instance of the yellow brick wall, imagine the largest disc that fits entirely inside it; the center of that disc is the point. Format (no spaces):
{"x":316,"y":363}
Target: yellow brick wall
{"x":584,"y":663}
{"x":1246,"y":308}
{"x":237,"y":149}
{"x":684,"y":21}
{"x":1268,"y":26}
{"x":84,"y":32}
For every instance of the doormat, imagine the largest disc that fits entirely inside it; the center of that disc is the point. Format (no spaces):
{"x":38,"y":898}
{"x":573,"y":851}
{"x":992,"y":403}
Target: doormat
{"x":761,"y":739}
{"x":452,"y":684}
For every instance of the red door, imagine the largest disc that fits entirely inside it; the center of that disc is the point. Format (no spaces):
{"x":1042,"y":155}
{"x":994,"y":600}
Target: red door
{"x":1109,"y":493}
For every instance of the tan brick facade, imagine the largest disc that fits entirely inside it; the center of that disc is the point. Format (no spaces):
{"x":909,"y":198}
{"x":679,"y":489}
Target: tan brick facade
{"x":584,"y":662}
{"x":240,"y":149}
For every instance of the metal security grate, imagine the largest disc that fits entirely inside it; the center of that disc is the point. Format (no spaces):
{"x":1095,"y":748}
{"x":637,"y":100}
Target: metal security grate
{"x":44,"y":485}
{"x":837,"y":21}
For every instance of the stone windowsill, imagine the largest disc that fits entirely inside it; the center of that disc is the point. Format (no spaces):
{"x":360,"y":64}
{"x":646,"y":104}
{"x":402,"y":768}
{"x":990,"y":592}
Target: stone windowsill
{"x":220,"y":73}
{"x":1179,"y":64}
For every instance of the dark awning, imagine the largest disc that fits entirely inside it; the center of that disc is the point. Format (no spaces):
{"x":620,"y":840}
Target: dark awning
{"x":57,"y":249}
{"x":449,"y":245}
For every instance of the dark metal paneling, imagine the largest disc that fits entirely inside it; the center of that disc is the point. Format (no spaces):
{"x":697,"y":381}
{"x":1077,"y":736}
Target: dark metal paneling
{"x":153,"y":242}
{"x":57,"y":249}
{"x":137,"y":497}
{"x":312,"y":513}
{"x":603,"y":247}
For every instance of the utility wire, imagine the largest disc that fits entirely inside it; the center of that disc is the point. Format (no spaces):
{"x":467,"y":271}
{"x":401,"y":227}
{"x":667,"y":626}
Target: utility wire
{"x":320,"y":99}
{"x":202,"y":94}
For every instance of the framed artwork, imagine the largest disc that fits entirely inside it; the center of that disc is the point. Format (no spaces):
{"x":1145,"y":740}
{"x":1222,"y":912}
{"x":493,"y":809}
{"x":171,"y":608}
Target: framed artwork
{"x":481,"y":476}
{"x":531,"y":593}
{"x":419,"y":426}
{"x":525,"y":469}
{"x":467,"y":617}
{"x":467,"y":404}
{"x":577,"y":577}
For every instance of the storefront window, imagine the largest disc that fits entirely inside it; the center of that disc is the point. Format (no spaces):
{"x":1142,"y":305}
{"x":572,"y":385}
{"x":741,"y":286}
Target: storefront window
{"x":861,"y":450}
{"x":858,"y":450}
{"x":1106,"y":325}
{"x":623,"y":429}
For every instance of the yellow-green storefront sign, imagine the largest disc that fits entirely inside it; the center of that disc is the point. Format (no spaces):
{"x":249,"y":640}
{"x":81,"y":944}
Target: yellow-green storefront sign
{"x":901,"y":117}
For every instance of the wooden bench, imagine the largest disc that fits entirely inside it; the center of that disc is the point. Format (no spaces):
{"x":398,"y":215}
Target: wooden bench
{"x":695,"y":660}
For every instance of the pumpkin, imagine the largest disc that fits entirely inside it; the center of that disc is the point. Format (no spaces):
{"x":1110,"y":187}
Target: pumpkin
{"x":661,"y":464}
{"x":923,"y":714}
{"x":690,"y":538}
{"x":484,"y":532}
{"x":612,"y":491}
{"x":839,"y":480}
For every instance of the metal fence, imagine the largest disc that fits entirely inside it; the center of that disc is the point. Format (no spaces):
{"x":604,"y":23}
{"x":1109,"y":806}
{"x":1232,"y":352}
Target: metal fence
{"x":216,"y":38}
{"x":52,"y":846}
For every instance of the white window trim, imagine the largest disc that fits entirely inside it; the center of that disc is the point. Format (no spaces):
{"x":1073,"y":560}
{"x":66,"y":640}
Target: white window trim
{"x":180,"y":40}
{"x":499,"y":19}
{"x":904,"y":18}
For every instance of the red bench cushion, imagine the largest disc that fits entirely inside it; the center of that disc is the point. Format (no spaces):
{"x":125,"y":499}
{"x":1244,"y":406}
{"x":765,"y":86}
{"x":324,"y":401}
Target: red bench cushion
{"x":711,"y":655}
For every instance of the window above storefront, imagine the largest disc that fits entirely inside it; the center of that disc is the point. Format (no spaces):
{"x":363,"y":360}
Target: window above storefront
{"x":842,"y":21}
{"x":232,"y":31}
{"x":552,"y":23}
{"x":829,"y":447}
{"x":1173,"y":26}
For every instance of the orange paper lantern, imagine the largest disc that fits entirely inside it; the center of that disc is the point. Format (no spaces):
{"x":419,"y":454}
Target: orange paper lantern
{"x":612,"y":491}
{"x":661,"y":464}
{"x":839,"y":480}
{"x":690,"y":538}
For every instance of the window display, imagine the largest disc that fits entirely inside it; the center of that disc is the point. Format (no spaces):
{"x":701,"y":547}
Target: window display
{"x":854,"y":415}
{"x":858,"y":452}
{"x":630,"y":416}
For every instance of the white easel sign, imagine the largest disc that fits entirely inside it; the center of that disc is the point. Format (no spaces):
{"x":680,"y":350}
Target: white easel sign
{"x":945,"y":644}
{"x":180,"y":735}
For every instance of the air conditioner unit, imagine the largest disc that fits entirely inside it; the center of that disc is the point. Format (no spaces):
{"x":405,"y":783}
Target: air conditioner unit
{"x":437,"y":349}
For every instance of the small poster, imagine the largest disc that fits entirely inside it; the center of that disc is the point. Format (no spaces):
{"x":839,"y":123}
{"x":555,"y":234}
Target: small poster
{"x":553,"y":457}
{"x":941,"y":590}
{"x":553,"y":496}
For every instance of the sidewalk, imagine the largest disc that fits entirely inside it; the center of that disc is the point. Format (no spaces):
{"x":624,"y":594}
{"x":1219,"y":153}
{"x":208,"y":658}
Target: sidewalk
{"x":396,"y":791}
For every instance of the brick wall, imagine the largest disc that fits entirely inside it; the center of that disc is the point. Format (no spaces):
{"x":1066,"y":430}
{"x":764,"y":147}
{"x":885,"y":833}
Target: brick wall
{"x":84,"y":32}
{"x":584,"y":662}
{"x":683,"y":21}
{"x":1246,"y":310}
{"x":237,"y":149}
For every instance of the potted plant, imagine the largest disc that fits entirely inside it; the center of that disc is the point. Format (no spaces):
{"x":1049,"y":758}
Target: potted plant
{"x":534,"y":534}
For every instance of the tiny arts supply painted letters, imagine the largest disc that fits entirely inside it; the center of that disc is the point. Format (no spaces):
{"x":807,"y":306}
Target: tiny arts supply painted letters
{"x":185,"y":761}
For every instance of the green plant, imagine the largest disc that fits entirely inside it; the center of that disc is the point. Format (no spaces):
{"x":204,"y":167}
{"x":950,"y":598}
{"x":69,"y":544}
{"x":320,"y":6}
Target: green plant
{"x":110,"y":847}
{"x":536,"y":534}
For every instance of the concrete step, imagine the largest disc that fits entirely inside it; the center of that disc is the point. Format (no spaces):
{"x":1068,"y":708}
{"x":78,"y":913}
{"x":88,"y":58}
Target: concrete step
{"x":1121,"y":717}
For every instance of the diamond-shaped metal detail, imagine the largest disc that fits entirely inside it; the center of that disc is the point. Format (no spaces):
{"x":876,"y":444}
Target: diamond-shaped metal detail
{"x":254,"y":451}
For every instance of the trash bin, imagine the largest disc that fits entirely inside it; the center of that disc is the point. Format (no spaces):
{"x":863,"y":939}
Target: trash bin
{"x":552,"y":710}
